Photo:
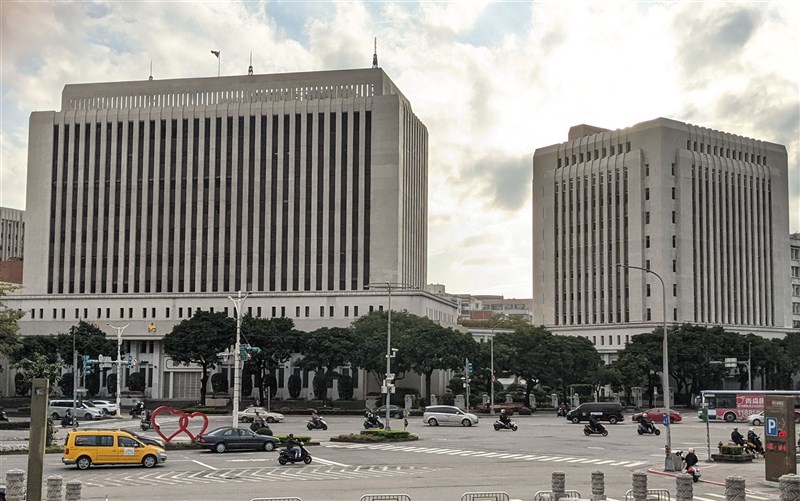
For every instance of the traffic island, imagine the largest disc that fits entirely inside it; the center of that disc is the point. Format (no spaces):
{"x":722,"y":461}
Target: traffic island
{"x":372,"y":436}
{"x":731,"y":454}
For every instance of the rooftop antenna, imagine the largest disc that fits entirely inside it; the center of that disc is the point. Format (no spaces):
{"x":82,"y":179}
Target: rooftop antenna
{"x":151,"y":70}
{"x":250,"y":68}
{"x":375,"y":54}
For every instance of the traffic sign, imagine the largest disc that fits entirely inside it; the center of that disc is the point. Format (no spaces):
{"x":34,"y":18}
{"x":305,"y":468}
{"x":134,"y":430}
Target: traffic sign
{"x":771,"y":427}
{"x":665,"y":419}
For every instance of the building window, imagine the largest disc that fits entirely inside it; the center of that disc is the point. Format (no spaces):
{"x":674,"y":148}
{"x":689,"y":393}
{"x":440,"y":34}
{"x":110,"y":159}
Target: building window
{"x":673,"y":217}
{"x":647,"y":217}
{"x":628,"y":147}
{"x":321,"y":311}
{"x":355,"y":310}
{"x":308,"y":311}
{"x":331,"y":311}
{"x":647,"y":290}
{"x":673,"y":193}
{"x":674,"y":266}
{"x":646,"y":170}
{"x":674,"y":241}
{"x":647,"y":241}
{"x":674,"y":314}
{"x":347,"y":311}
{"x":647,"y":264}
{"x":674,"y":290}
{"x":297,"y":311}
{"x":647,"y":193}
{"x":649,"y":317}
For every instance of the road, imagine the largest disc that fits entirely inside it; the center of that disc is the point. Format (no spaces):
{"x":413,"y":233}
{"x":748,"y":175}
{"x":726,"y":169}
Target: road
{"x":445,"y":463}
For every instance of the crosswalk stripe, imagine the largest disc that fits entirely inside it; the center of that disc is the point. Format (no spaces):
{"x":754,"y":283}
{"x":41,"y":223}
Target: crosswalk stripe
{"x":715,"y":495}
{"x":605,"y":461}
{"x":757,"y":497}
{"x":698,"y":498}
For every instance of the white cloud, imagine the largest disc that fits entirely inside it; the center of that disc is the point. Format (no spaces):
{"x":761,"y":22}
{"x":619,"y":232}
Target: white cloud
{"x":488,"y":100}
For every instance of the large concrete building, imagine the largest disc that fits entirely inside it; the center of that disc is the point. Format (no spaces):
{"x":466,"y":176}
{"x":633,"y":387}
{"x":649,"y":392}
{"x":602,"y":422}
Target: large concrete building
{"x":12,"y":238}
{"x":149,"y":200}
{"x":705,"y":210}
{"x":794,"y":272}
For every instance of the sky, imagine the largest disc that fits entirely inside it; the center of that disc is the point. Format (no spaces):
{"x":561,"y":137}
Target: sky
{"x":492,"y":81}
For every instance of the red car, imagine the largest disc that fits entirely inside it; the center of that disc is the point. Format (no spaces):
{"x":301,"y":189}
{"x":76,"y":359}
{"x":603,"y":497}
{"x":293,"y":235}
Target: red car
{"x":657,"y":415}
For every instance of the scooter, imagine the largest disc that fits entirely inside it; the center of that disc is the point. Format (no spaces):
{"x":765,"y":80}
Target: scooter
{"x":287,"y":456}
{"x":499,"y":425}
{"x":694,"y":471}
{"x":260,"y":427}
{"x":67,"y":421}
{"x":137,"y":410}
{"x":650,"y":430}
{"x":754,"y":446}
{"x":600,"y":430}
{"x":319,"y":424}
{"x":562,"y":411}
{"x":373,"y":422}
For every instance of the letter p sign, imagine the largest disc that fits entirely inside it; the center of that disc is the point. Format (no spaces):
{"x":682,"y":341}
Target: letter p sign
{"x":771,"y":426}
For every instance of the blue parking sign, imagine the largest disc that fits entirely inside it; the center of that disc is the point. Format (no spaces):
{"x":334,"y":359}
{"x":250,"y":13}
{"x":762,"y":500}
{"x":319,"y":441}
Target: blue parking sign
{"x":665,"y":419}
{"x":771,"y":427}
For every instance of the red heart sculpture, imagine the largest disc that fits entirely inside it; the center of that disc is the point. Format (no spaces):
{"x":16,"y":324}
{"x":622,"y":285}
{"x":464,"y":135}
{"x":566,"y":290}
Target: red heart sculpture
{"x":183,"y":422}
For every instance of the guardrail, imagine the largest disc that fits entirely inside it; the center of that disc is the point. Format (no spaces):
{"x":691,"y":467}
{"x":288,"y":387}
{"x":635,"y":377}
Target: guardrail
{"x":549,"y":496}
{"x":276,"y":499}
{"x":652,"y":495}
{"x":484,"y":496}
{"x":385,"y":497}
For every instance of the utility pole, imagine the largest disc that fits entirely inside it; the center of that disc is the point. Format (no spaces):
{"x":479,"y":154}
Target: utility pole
{"x":238,"y":301}
{"x":119,"y":365}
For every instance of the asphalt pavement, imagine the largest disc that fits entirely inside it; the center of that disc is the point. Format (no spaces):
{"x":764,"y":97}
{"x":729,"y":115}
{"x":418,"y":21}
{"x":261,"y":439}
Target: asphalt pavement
{"x":445,"y":463}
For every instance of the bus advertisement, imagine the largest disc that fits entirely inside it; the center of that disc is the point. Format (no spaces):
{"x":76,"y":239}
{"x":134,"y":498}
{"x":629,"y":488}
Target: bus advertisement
{"x":738,"y":405}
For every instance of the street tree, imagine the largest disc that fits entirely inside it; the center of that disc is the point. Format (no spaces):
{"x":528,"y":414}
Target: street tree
{"x":277,"y":340}
{"x":574,"y":358}
{"x":39,"y":366}
{"x":324,"y":350}
{"x":199,"y":340}
{"x":9,"y":328}
{"x":369,"y":348}
{"x":525,"y":353}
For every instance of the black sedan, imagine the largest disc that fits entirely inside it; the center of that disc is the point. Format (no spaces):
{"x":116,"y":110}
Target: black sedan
{"x":228,"y":438}
{"x":394,"y":411}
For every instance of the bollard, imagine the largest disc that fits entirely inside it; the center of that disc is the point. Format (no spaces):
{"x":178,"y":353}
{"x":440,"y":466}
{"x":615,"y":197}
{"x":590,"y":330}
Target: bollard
{"x":790,"y":487}
{"x":15,"y":485}
{"x":734,"y":488}
{"x":73,"y":490}
{"x":54,"y":483}
{"x":639,"y":486}
{"x":684,"y":489}
{"x":598,"y":486}
{"x":559,"y":484}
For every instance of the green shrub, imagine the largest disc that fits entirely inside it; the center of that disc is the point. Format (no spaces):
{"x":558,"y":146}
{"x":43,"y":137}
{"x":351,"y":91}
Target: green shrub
{"x":295,"y":385}
{"x":180,"y":446}
{"x":732,"y":450}
{"x":394,"y":434}
{"x":376,"y":436}
{"x":15,"y":425}
{"x":306,"y":439}
{"x":136,"y":381}
{"x":219,"y":382}
{"x":345,"y":387}
{"x":524,"y":411}
{"x":205,"y":409}
{"x":111,"y":384}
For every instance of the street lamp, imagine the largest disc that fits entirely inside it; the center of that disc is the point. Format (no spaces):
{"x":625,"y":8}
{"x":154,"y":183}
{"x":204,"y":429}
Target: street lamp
{"x":119,"y":364}
{"x":491,"y":363}
{"x":664,"y":354}
{"x":237,"y":301}
{"x":390,"y":353}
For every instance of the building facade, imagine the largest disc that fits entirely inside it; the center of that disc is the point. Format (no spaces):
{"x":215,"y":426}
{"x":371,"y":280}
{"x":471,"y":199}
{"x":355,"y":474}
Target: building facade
{"x":794,"y":272}
{"x":12,"y":239}
{"x":705,"y":210}
{"x":149,"y":200}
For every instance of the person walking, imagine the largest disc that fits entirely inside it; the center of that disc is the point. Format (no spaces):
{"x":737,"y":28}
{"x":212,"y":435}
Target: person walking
{"x":405,"y":419}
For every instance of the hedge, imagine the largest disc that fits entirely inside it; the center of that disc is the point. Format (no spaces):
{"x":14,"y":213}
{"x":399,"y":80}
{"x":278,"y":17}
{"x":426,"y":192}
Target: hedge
{"x":377,"y":436}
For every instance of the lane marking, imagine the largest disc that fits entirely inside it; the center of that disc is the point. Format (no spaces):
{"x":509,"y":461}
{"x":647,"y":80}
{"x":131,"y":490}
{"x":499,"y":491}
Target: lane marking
{"x":205,"y":465}
{"x":329,"y":462}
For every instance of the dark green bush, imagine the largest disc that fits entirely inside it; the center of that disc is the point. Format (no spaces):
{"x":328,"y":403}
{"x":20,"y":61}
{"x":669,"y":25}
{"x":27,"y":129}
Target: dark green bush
{"x":205,"y":409}
{"x":219,"y":382}
{"x":136,"y":381}
{"x":524,"y":411}
{"x":295,"y":385}
{"x":732,"y":450}
{"x":345,"y":387}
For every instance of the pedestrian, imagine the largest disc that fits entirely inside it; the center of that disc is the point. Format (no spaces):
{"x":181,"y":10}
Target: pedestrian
{"x":405,"y":419}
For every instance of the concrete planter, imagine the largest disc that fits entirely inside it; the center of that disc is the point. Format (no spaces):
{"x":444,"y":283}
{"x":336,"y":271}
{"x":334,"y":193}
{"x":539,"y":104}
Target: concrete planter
{"x":732,"y":458}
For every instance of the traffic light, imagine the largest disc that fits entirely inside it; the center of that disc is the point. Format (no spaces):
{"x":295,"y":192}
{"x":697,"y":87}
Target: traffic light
{"x":88,"y":365}
{"x":243,"y":353}
{"x":469,"y":369}
{"x":248,"y":352}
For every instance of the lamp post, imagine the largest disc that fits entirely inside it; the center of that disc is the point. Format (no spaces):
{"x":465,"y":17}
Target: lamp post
{"x":390,"y":353}
{"x":491,"y":364}
{"x":664,"y":354}
{"x":119,"y":365}
{"x":237,"y":301}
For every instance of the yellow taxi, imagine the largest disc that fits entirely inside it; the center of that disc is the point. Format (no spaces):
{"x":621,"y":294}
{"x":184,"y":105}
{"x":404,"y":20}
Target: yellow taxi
{"x":84,"y":448}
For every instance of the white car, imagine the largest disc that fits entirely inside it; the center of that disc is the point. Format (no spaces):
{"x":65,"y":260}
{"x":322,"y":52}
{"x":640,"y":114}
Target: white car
{"x":436,"y":415}
{"x":108,"y":408}
{"x":756,"y":419}
{"x":247,"y":415}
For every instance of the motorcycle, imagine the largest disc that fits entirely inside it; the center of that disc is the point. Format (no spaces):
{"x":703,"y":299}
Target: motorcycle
{"x":287,"y":456}
{"x":600,"y":430}
{"x":650,"y":430}
{"x":137,"y":410}
{"x":373,"y":422}
{"x":499,"y":425}
{"x":260,"y":427}
{"x":318,"y":424}
{"x":754,"y":446}
{"x":562,"y":411}
{"x":694,"y":471}
{"x":67,"y":421}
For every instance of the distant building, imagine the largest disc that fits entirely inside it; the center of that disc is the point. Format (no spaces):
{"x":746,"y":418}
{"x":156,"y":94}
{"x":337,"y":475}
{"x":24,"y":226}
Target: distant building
{"x":12,"y":241}
{"x":705,"y":210}
{"x":149,"y":200}
{"x":794,"y":256}
{"x":484,"y":307}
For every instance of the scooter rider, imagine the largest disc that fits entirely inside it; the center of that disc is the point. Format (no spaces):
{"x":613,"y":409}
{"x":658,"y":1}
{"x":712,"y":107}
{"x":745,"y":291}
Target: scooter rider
{"x":504,"y":417}
{"x":294,"y":445}
{"x":595,"y":425}
{"x":737,"y":437}
{"x":645,"y":423}
{"x":314,"y":417}
{"x":753,"y":439}
{"x":691,"y":458}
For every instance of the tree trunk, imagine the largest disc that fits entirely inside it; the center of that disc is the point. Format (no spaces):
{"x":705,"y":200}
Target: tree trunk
{"x":203,"y":384}
{"x":428,"y":375}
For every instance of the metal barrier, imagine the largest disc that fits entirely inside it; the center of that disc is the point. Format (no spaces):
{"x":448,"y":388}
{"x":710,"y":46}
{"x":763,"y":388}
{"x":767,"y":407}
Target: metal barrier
{"x":548,"y":495}
{"x":385,"y":497}
{"x":485,"y":496}
{"x":652,"y":495}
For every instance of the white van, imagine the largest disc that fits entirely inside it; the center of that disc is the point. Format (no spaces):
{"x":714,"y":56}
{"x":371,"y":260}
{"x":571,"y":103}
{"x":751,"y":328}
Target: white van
{"x":86,"y":411}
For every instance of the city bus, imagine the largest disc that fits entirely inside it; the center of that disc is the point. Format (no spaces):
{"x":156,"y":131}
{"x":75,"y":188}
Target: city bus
{"x":737,"y":405}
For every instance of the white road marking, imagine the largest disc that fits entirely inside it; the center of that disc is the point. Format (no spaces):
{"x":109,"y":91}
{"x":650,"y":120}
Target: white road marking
{"x":203,"y":464}
{"x":715,"y":495}
{"x":328,"y":462}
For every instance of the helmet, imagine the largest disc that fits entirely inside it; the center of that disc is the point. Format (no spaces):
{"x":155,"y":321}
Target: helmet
{"x":291,"y":435}
{"x":735,"y":429}
{"x":751,"y":429}
{"x":503,"y":411}
{"x":691,"y":449}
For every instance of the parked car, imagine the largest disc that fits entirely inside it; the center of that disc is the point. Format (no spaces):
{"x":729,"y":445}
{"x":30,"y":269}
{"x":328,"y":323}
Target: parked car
{"x":247,"y":415}
{"x":756,"y":419}
{"x":84,"y":448}
{"x":229,"y":438}
{"x":602,"y":411}
{"x":394,"y":411}
{"x":86,"y":410}
{"x":435,"y":415}
{"x":108,"y":408}
{"x":656,"y":415}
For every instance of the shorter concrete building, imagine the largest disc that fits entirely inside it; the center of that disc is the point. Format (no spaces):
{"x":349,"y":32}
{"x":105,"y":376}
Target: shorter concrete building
{"x":12,"y":240}
{"x":794,"y":257}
